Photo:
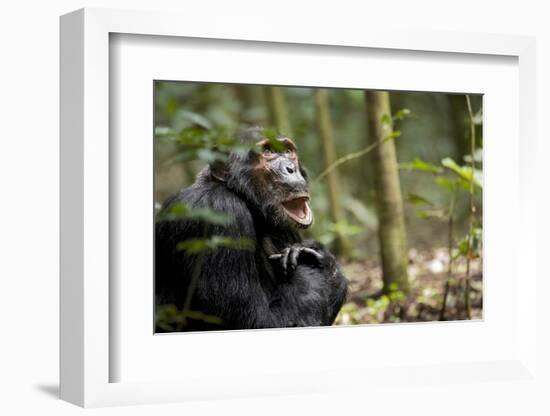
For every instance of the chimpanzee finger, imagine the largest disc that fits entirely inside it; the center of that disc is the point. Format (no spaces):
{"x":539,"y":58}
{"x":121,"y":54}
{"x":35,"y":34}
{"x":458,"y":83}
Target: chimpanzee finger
{"x":293,"y":257}
{"x":314,"y":253}
{"x":311,"y":257}
{"x":284,"y":259}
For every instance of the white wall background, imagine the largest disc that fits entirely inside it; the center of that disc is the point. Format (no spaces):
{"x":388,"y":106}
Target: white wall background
{"x":29,"y":56}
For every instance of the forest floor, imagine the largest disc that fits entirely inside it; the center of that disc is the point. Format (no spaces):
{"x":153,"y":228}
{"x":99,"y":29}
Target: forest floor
{"x":427,"y":275}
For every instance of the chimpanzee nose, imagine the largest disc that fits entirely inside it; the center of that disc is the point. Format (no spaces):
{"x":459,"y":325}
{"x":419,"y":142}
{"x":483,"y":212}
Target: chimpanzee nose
{"x":290,"y":175}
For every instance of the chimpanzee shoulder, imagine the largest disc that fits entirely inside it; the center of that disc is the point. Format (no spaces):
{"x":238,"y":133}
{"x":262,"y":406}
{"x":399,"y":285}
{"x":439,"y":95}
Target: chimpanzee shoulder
{"x":214,"y":195}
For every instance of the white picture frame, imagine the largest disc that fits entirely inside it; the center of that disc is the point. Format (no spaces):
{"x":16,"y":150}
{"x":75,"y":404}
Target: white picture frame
{"x":86,"y":352}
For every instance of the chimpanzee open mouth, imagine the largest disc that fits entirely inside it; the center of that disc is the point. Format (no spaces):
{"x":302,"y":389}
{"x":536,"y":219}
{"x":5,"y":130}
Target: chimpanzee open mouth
{"x":297,"y":208}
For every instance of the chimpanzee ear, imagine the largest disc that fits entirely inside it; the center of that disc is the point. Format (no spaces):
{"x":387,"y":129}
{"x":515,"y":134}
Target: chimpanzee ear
{"x":219,"y":170}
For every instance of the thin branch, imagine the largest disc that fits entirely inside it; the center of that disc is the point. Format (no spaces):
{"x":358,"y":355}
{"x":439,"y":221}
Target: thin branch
{"x":192,"y":287}
{"x":348,"y":157}
{"x":450,"y":248}
{"x":472,"y":210}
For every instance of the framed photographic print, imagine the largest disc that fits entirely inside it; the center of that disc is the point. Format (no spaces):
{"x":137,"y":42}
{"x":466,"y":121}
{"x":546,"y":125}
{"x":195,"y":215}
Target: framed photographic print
{"x":248,"y":215}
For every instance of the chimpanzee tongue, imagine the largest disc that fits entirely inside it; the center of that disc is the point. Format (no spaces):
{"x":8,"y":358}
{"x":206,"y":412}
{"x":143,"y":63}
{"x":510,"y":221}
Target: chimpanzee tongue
{"x":298,"y":208}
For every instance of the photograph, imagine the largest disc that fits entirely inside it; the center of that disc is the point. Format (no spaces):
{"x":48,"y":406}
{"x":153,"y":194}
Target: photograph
{"x":293,"y":206}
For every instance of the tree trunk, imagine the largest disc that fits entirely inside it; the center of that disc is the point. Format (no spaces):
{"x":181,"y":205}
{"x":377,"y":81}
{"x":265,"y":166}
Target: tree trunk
{"x":391,"y":227}
{"x":251,"y":102}
{"x":333,"y":181}
{"x":278,"y":111}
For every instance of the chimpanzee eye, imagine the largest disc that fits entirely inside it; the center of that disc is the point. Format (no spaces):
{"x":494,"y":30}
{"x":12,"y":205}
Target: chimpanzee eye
{"x":288,"y":150}
{"x":267,"y":151}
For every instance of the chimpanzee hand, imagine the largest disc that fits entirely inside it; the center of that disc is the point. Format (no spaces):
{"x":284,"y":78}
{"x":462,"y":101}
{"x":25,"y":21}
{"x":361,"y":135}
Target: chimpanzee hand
{"x":295,"y":255}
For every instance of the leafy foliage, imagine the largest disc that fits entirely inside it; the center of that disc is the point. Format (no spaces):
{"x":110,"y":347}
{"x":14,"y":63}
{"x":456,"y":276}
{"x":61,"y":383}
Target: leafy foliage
{"x":446,"y":183}
{"x":402,"y":114}
{"x":169,"y":318}
{"x":465,"y":250}
{"x":199,"y":143}
{"x":271,"y":135}
{"x":420,"y":165}
{"x":418,"y":200}
{"x":198,"y":245}
{"x":465,"y":172}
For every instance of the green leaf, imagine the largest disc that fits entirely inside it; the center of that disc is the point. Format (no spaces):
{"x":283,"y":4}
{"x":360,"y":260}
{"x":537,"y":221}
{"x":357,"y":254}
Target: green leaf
{"x":192,"y":136}
{"x":432,"y":213}
{"x":396,"y":296}
{"x":274,"y":143}
{"x":420,"y":165}
{"x":193,"y":245}
{"x":269,"y":133}
{"x":393,"y":135}
{"x":206,"y":145}
{"x":446,"y":183}
{"x":386,"y":120}
{"x":464,"y":184}
{"x":171,"y":105}
{"x":196,"y":119}
{"x":417,"y":199}
{"x":276,"y":146}
{"x":464,"y":172}
{"x":463,"y":247}
{"x":402,"y":114}
{"x":451,"y":164}
{"x":422,"y":215}
{"x":211,"y":216}
{"x":201,"y":316}
{"x":234,"y":243}
{"x":181,"y":210}
{"x":349,"y":308}
{"x":198,"y":245}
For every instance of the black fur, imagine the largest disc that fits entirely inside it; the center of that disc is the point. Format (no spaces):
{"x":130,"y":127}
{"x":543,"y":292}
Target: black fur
{"x":245,"y":288}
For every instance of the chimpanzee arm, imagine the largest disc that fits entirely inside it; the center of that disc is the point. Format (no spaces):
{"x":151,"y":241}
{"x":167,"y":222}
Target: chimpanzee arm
{"x":311,"y":266}
{"x":230,"y":287}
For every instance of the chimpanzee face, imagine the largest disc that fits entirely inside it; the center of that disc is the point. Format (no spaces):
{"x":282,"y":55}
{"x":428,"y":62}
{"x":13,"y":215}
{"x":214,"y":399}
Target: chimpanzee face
{"x":270,"y":179}
{"x":278,"y":177}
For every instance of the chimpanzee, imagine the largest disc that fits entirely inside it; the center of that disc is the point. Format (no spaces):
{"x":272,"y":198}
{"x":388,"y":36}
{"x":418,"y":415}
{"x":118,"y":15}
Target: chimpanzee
{"x":283,"y":281}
